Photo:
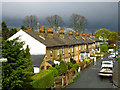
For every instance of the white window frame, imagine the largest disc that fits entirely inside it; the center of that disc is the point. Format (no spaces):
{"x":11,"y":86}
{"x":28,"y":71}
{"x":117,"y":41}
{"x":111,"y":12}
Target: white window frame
{"x":79,"y":47}
{"x":63,"y":50}
{"x":72,"y":48}
{"x":57,"y":51}
{"x":68,"y":49}
{"x":85,"y":46}
{"x":51,"y":52}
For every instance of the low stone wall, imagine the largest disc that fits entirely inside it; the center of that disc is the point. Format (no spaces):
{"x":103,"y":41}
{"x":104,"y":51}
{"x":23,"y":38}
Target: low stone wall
{"x":116,"y":74}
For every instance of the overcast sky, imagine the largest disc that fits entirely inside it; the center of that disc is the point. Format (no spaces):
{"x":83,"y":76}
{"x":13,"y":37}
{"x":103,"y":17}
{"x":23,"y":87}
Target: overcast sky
{"x":99,"y":14}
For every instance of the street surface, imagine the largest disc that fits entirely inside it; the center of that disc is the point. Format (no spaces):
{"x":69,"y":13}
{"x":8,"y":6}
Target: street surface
{"x":89,"y":78}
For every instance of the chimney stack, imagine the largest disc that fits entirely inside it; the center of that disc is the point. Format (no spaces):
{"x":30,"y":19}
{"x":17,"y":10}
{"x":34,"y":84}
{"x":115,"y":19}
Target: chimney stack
{"x":77,"y":35}
{"x":91,"y":34}
{"x":88,"y":35}
{"x":70,"y":34}
{"x":50,"y":33}
{"x":83,"y":35}
{"x":61,"y":34}
{"x":42,"y":31}
{"x":94,"y":35}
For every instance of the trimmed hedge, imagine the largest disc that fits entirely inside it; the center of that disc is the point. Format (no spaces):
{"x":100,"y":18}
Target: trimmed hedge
{"x":44,"y":79}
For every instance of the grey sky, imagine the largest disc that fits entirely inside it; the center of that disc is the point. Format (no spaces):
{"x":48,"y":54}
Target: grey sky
{"x":99,"y":14}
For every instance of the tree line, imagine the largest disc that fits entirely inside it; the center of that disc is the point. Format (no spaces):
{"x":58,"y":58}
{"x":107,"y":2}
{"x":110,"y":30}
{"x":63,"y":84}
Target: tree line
{"x":78,"y":22}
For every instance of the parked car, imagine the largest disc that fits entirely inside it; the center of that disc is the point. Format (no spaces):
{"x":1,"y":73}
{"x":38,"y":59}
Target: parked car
{"x":106,"y":71}
{"x":107,"y":63}
{"x":111,"y":59}
{"x":106,"y":68}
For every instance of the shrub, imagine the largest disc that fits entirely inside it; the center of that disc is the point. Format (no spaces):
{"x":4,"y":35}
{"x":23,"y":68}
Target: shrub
{"x":43,"y":79}
{"x":87,"y":60}
{"x":76,"y":66}
{"x":63,"y":68}
{"x":55,"y":71}
{"x":104,"y":48}
{"x":70,"y":65}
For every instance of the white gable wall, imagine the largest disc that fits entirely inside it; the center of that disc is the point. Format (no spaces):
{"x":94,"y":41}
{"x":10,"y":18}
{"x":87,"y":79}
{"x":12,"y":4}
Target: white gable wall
{"x":36,"y":47}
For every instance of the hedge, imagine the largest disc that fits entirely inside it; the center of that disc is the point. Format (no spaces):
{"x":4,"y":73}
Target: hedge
{"x":87,"y":60}
{"x":110,"y":47}
{"x":44,"y":79}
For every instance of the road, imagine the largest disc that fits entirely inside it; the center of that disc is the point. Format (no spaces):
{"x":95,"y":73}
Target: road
{"x":89,"y":78}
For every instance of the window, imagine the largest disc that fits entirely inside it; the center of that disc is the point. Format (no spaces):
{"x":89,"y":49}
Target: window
{"x":57,"y":51}
{"x":85,"y":46}
{"x":51,"y":51}
{"x":48,"y":67}
{"x":42,"y":68}
{"x":79,"y":47}
{"x":63,"y":50}
{"x":72,"y":48}
{"x":68,"y":49}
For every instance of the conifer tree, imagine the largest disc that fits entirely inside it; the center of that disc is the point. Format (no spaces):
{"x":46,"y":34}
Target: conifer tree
{"x":17,"y":70}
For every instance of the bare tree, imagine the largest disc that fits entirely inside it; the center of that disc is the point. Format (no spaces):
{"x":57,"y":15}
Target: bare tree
{"x":82,"y":23}
{"x":30,"y":21}
{"x":55,"y":21}
{"x":78,"y":22}
{"x":74,"y":20}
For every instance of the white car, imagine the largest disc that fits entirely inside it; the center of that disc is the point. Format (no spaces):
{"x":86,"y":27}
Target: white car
{"x":106,"y":68}
{"x":105,"y":71}
{"x":107,"y":64}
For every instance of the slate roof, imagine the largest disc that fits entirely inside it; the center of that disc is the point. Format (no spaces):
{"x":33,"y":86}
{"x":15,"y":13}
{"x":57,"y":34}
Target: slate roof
{"x":37,"y":60}
{"x":86,"y":40}
{"x":50,"y":62}
{"x":59,"y":41}
{"x":95,"y":39}
{"x":56,"y":41}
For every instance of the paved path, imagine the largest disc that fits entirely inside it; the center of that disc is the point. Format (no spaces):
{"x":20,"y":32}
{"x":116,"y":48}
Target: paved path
{"x":89,"y":78}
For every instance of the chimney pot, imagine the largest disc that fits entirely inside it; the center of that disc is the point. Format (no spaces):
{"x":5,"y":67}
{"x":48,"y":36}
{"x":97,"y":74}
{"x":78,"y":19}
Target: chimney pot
{"x":18,"y":28}
{"x":61,"y":34}
{"x":29,"y":29}
{"x":77,"y":33}
{"x":61,"y":31}
{"x":50,"y":33}
{"x":70,"y":34}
